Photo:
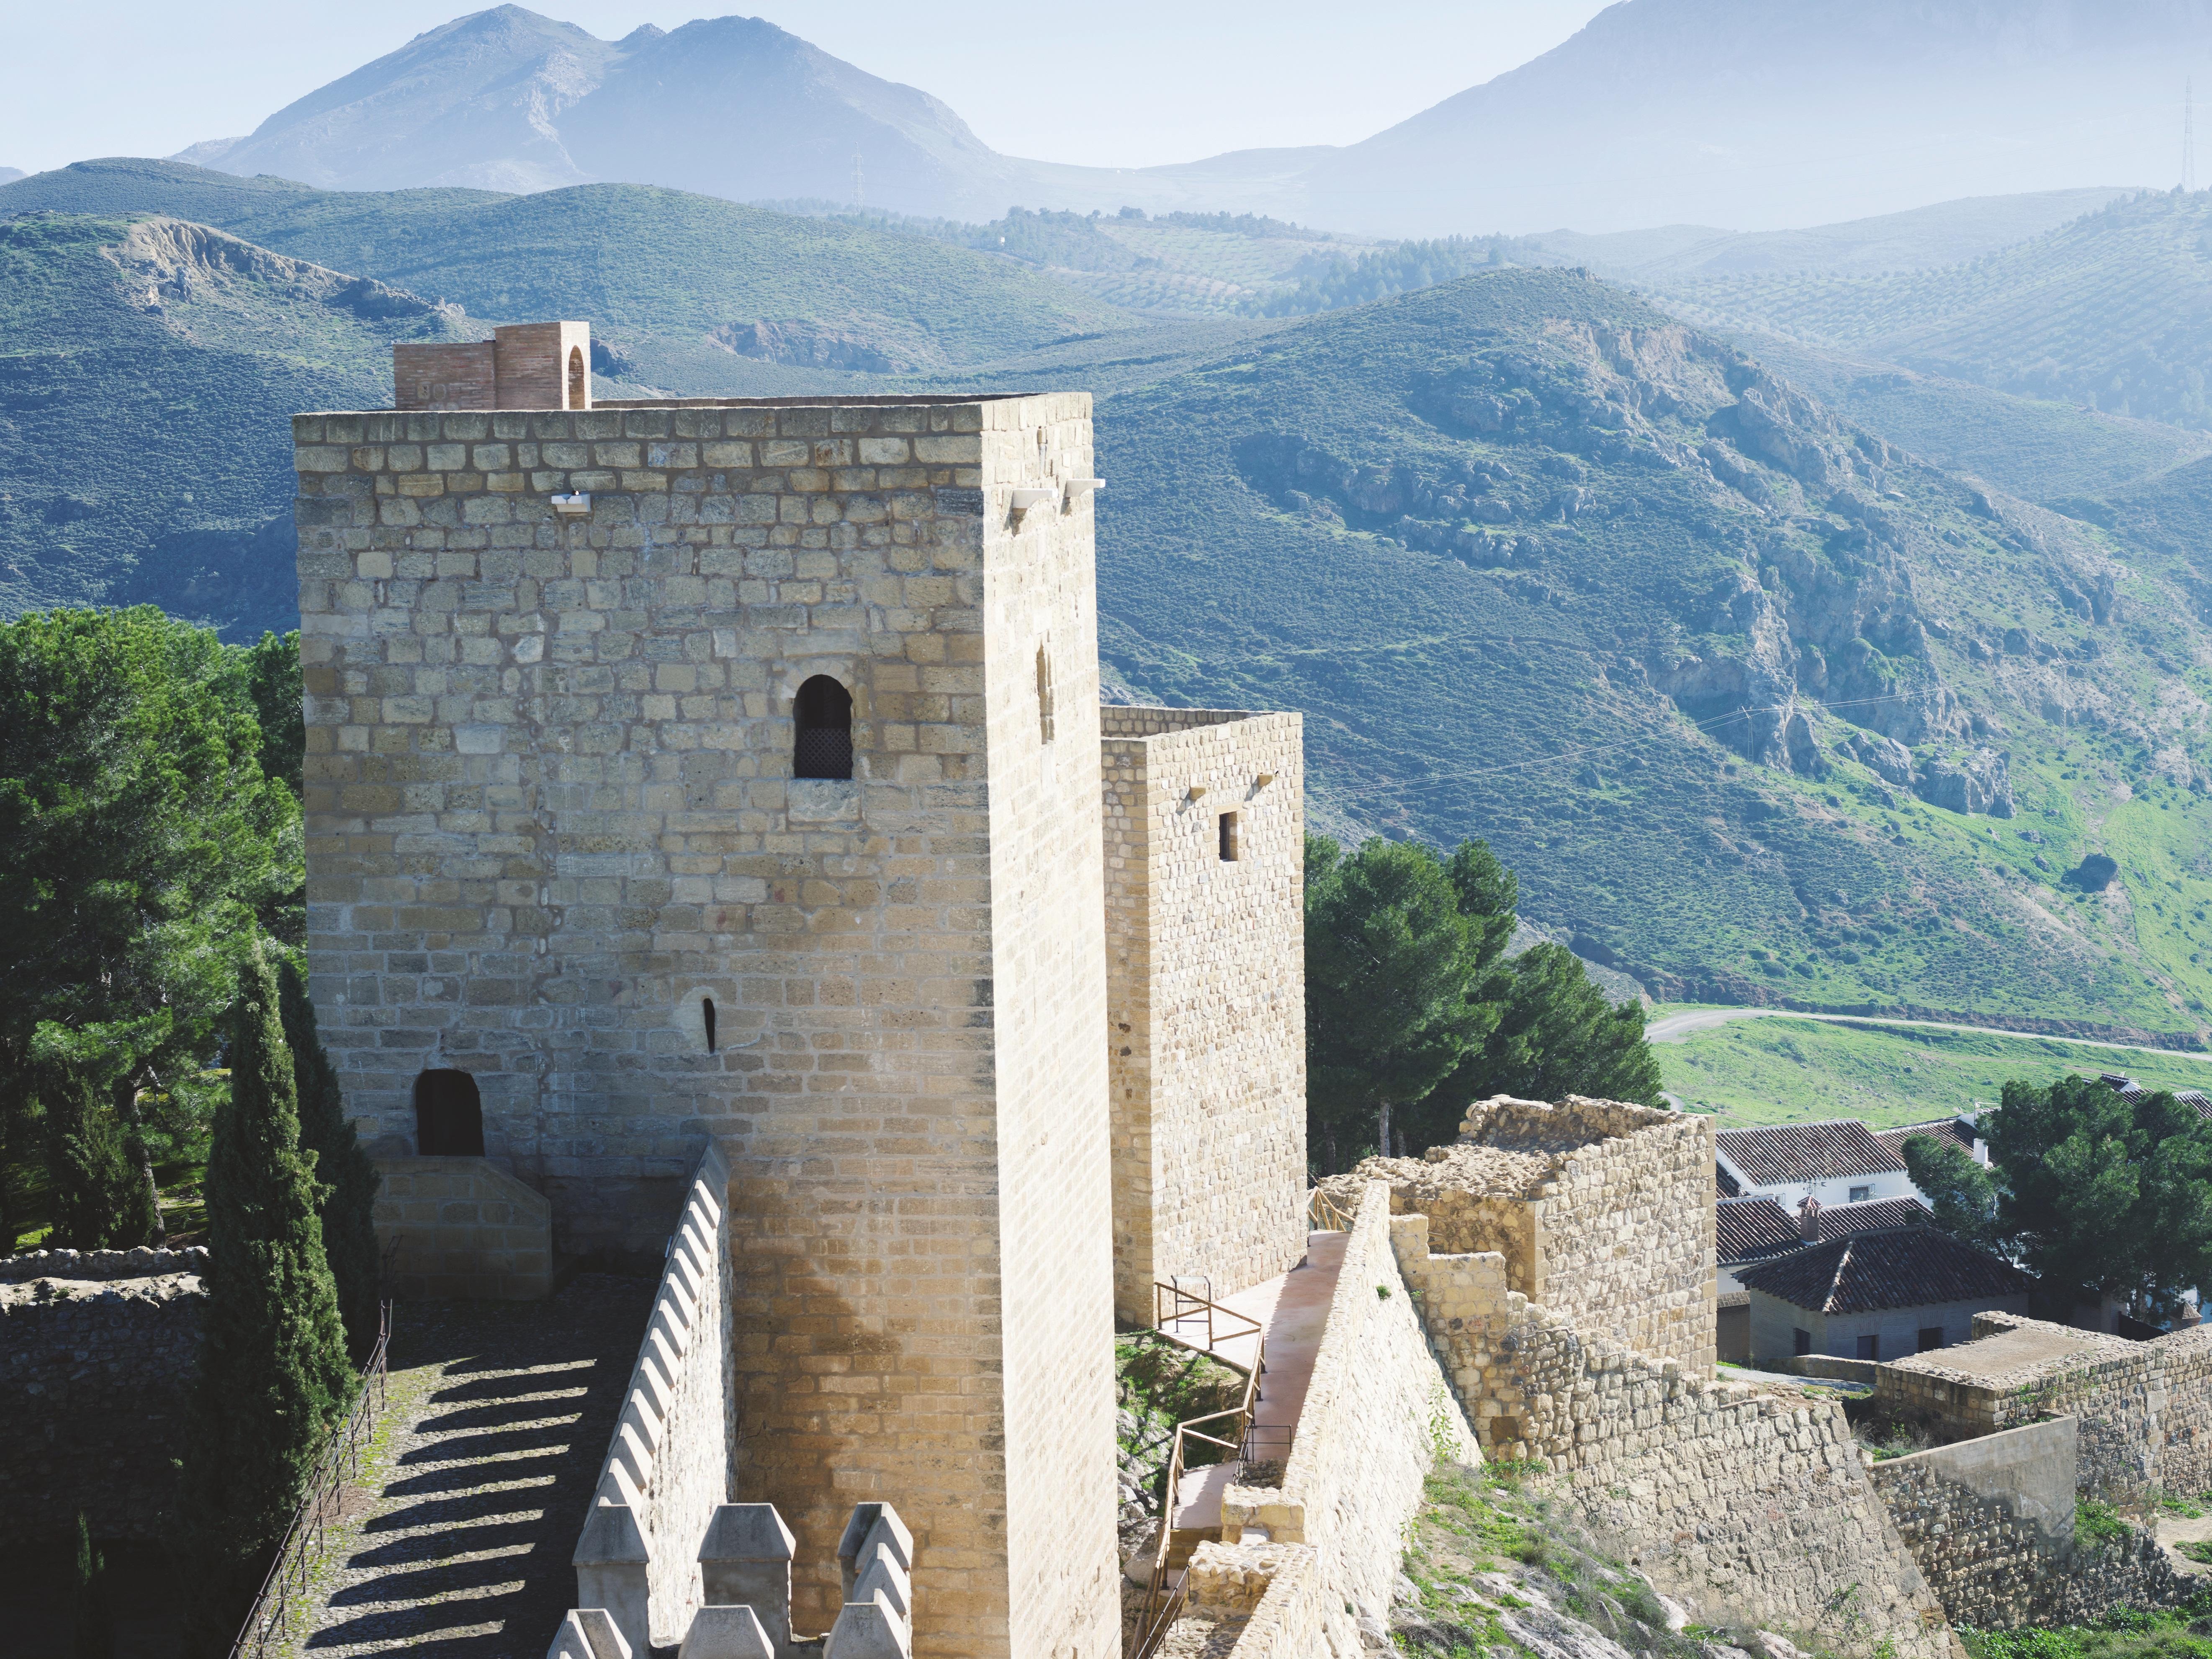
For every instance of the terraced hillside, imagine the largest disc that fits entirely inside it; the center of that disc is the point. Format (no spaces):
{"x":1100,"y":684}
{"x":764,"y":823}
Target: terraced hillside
{"x":2113,"y":310}
{"x":1711,"y":668}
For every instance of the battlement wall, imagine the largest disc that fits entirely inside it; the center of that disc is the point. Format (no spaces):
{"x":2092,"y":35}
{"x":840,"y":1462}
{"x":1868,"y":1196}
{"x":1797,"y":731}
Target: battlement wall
{"x":1205,"y":852}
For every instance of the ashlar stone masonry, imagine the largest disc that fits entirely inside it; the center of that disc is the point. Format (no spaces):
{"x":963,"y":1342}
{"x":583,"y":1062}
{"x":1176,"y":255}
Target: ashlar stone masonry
{"x":560,"y":838}
{"x":1204,"y":827}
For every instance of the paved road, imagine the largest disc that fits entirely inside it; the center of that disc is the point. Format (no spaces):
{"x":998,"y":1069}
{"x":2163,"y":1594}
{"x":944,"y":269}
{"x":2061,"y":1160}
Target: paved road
{"x":1677,"y":1028}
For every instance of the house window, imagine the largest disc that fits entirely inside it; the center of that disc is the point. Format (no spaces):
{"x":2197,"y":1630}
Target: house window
{"x":1932,"y":1336}
{"x":1861,"y":1195}
{"x":822,"y":744}
{"x":448,"y":1115}
{"x":1869,"y":1348}
{"x":1801,"y":1341}
{"x":1232,"y":846}
{"x":576,"y":381}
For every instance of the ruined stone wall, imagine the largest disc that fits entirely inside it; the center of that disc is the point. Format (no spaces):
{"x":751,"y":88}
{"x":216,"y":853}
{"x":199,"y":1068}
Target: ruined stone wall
{"x":98,"y":1349}
{"x":1206,"y":996}
{"x":1602,"y":1209}
{"x":1378,"y":1413}
{"x":1742,"y":1503}
{"x":1258,"y":1601}
{"x":1991,"y":1523}
{"x":550,"y":813}
{"x":2145,"y":1408}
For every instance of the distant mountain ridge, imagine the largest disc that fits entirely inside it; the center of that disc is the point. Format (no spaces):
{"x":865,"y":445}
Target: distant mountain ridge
{"x":1751,"y":113}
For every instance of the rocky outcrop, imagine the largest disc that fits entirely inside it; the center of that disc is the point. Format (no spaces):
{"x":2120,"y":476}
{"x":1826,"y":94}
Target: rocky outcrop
{"x":1979,"y":785}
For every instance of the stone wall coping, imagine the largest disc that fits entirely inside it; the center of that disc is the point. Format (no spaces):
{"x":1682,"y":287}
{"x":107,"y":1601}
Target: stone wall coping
{"x":94,"y":1266}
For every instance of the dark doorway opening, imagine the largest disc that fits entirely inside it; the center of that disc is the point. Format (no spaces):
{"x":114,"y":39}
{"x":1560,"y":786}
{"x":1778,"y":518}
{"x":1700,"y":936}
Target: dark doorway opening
{"x":448,"y":1115}
{"x":821,"y":746}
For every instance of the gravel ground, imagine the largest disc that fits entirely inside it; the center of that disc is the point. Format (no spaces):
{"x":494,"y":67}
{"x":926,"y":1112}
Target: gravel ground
{"x":456,"y":1543}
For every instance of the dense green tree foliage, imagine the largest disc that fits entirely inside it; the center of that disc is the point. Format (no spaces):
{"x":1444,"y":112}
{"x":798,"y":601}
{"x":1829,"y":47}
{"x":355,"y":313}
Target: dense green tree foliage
{"x":96,"y":1197}
{"x":1413,"y":1008}
{"x":1958,"y":1189}
{"x":2109,"y":1196}
{"x":93,"y":1636}
{"x":139,"y":842}
{"x":1389,"y":960}
{"x":345,"y":1179}
{"x":272,"y":1377}
{"x":1333,"y":281}
{"x":272,"y":680}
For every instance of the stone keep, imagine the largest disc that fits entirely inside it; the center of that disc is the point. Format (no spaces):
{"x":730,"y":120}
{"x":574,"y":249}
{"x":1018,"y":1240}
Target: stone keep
{"x":1205,"y":829}
{"x":555,"y":840}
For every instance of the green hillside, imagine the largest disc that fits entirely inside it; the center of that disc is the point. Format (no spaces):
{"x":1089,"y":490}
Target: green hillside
{"x":1506,"y":540}
{"x":2113,"y":310}
{"x":147,"y":373}
{"x":709,"y":277}
{"x":1800,"y":1071}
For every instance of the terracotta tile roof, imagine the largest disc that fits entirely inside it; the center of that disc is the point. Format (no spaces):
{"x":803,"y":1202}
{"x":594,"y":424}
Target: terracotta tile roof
{"x":1807,"y":1151}
{"x":1724,"y":1184}
{"x":1956,"y":1129}
{"x":2129,"y":1090}
{"x":1747,"y":1228}
{"x":1867,"y":1273}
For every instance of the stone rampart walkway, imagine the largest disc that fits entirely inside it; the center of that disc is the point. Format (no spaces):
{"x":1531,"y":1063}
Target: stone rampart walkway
{"x":457,"y":1544}
{"x":1291,"y":1309}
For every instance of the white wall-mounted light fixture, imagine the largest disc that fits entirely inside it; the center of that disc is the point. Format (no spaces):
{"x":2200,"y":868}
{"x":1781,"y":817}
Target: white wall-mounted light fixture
{"x":579,"y":502}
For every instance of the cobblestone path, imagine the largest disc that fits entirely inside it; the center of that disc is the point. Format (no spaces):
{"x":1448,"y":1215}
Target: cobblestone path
{"x":457,"y":1543}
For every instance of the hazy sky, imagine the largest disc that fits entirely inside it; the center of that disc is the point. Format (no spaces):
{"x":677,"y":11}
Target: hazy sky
{"x":1132,"y":84}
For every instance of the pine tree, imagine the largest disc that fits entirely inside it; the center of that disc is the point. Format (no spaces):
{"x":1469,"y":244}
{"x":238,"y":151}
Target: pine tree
{"x":94,"y":1636}
{"x":273,"y":1377}
{"x":99,"y":1202}
{"x":345,"y":1178}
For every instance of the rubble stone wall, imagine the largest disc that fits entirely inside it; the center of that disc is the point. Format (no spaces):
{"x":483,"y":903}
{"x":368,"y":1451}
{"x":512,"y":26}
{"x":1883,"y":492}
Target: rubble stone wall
{"x":1743,"y":1502}
{"x":1991,"y":1523}
{"x":1206,"y":997}
{"x":98,"y":1349}
{"x":2145,"y":1408}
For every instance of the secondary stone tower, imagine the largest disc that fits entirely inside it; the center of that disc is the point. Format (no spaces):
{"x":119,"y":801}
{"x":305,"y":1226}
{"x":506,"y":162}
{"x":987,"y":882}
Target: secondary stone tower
{"x":729,"y":770}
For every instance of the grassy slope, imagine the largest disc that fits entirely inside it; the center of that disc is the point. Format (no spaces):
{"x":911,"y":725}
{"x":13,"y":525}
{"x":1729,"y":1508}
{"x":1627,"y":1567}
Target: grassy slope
{"x":1455,"y":695}
{"x":630,"y":258}
{"x":2113,"y":310}
{"x":126,"y":435}
{"x":1791,"y":1071}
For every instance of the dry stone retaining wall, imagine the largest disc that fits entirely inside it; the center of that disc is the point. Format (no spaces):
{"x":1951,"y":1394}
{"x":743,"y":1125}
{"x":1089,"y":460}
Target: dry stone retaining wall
{"x":1744,"y":1504}
{"x":1206,"y":996}
{"x":98,"y":1349}
{"x":1991,"y":1523}
{"x":1377,"y":1414}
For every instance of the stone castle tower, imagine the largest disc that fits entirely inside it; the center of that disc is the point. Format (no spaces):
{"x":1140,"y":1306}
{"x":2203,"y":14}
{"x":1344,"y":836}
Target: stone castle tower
{"x":731,"y":768}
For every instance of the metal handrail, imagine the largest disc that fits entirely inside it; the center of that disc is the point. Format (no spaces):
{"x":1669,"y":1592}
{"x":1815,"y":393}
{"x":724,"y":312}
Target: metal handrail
{"x":1325,"y":1213}
{"x":335,"y":1465}
{"x":1162,"y":1602}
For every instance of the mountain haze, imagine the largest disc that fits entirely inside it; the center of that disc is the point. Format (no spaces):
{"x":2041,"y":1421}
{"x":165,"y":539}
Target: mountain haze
{"x":1749,"y":114}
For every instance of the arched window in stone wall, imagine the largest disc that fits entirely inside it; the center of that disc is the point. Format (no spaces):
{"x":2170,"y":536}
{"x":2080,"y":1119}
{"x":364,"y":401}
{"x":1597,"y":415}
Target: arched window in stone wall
{"x":448,"y":1115}
{"x":577,"y":383}
{"x":822,"y":739}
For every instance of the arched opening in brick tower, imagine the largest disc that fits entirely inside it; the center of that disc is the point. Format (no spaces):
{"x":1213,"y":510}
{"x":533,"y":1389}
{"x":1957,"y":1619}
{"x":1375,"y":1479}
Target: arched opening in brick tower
{"x":448,"y":1115}
{"x":576,"y":377}
{"x":822,"y":744}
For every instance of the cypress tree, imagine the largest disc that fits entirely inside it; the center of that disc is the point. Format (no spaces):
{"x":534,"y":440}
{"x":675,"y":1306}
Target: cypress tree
{"x":94,"y":1633}
{"x":99,"y":1201}
{"x":272,"y":1378}
{"x":345,"y":1179}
